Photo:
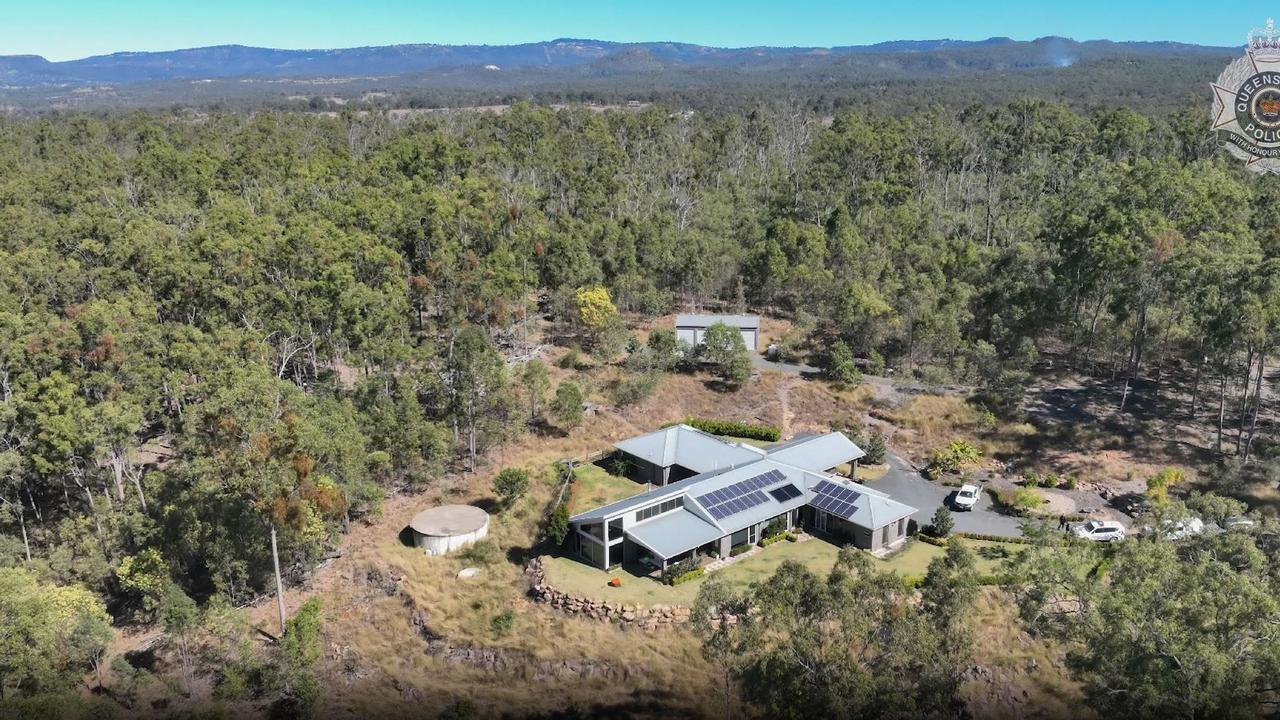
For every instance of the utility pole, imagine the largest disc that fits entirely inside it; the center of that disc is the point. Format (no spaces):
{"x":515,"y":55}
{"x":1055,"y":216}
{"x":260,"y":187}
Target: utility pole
{"x":275,"y":558}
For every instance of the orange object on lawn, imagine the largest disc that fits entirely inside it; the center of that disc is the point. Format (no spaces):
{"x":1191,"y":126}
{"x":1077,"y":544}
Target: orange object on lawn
{"x":615,"y":582}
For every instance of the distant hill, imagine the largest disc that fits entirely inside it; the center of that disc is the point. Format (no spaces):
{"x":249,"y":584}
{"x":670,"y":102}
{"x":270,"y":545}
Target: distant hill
{"x":567,"y":68}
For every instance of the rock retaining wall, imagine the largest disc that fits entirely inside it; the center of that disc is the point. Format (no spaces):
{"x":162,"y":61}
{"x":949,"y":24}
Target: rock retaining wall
{"x":627,"y":616}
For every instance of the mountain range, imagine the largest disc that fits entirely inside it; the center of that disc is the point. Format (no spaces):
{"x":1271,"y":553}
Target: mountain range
{"x":238,"y":61}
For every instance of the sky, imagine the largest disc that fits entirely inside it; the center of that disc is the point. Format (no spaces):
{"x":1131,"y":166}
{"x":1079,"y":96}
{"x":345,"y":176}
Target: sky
{"x":67,"y":29}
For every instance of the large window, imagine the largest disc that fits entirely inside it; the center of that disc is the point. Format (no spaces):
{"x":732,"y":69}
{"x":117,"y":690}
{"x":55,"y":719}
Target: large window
{"x":656,"y":510}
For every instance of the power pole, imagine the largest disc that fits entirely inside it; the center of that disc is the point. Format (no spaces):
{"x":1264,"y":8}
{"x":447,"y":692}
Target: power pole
{"x":275,"y":558}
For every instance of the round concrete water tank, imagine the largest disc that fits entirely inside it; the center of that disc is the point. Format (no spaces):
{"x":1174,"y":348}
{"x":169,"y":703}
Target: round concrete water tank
{"x":440,"y":530}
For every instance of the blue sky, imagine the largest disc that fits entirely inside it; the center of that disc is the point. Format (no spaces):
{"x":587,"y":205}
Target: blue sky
{"x":64,"y":29}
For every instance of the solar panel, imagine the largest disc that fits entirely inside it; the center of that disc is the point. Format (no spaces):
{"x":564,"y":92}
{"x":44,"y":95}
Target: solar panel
{"x":835,"y":499}
{"x":785,"y":493}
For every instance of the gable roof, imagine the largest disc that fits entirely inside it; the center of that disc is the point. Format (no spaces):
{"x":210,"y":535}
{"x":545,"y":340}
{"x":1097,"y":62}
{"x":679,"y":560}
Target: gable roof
{"x":738,"y":321}
{"x":816,"y":452}
{"x":689,"y":448}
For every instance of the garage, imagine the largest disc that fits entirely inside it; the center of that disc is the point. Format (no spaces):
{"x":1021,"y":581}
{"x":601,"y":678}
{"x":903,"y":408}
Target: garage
{"x":692,"y":328}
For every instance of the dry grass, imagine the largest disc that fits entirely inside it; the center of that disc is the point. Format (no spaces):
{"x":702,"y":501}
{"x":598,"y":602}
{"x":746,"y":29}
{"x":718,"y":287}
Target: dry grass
{"x":1027,"y":675}
{"x":593,"y":487}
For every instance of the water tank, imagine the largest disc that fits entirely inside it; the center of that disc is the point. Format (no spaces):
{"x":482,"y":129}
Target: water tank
{"x":440,"y":530}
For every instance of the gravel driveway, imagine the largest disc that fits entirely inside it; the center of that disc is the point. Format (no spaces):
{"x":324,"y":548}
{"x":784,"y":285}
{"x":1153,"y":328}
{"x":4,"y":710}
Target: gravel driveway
{"x":906,"y":485}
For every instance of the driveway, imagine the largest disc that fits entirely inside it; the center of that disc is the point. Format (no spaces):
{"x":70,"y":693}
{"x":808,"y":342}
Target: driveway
{"x":906,"y":485}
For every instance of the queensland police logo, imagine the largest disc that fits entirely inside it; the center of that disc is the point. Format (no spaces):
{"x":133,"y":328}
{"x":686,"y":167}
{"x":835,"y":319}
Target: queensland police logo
{"x":1246,"y":103}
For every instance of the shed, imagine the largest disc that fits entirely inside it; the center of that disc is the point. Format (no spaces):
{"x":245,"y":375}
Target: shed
{"x":692,"y":328}
{"x":440,"y":530}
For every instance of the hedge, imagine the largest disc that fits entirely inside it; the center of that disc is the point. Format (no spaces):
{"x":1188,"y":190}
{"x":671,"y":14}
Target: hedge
{"x":773,"y":539}
{"x":768,"y":433}
{"x":686,"y":577}
{"x":736,"y":551}
{"x":995,"y":538}
{"x":937,"y":541}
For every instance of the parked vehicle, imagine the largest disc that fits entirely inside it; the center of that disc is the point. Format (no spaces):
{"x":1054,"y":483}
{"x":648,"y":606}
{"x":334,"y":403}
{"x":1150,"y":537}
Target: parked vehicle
{"x":966,"y":497}
{"x":1178,"y":529}
{"x":1238,"y":523}
{"x":1100,"y":531}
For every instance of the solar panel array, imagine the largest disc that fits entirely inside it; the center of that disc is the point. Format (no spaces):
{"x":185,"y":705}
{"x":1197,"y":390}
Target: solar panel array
{"x":834,"y":499}
{"x":785,"y":492}
{"x":740,"y":496}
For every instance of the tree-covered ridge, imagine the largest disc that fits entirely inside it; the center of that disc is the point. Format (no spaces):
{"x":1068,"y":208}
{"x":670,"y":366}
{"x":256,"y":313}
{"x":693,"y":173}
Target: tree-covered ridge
{"x":212,"y":326}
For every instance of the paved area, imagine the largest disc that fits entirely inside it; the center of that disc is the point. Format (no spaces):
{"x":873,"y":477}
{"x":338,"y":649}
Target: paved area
{"x":908,"y":486}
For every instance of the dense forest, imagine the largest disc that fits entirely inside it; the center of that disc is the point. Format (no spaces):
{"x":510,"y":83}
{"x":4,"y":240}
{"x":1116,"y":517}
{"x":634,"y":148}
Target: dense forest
{"x":216,"y":328}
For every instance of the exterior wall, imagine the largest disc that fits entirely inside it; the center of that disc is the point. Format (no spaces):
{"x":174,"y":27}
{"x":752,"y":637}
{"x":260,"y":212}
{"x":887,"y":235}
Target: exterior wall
{"x":444,"y":544}
{"x":693,"y":336}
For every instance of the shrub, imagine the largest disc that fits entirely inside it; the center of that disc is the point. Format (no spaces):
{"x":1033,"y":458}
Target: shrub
{"x":567,"y":405}
{"x":503,"y":623}
{"x":841,"y":368}
{"x":1158,"y":485}
{"x":678,"y":569}
{"x":1071,"y":482}
{"x":931,"y":540}
{"x":941,"y":524}
{"x":736,"y":551}
{"x":767,"y":433}
{"x":632,"y":390}
{"x":558,"y":524}
{"x":1019,"y":500}
{"x":511,"y":484}
{"x":766,"y":542}
{"x":686,"y":577}
{"x":776,"y":527}
{"x":792,"y":538}
{"x":571,"y":359}
{"x":955,"y":456}
{"x":875,"y":448}
{"x":1049,"y":481}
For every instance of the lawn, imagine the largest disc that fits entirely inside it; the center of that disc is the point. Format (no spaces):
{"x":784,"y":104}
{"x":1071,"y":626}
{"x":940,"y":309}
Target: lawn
{"x":572,"y":576}
{"x":595,"y":487}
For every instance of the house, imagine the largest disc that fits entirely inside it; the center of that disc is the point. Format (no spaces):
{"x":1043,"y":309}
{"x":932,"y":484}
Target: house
{"x":715,"y":495}
{"x":692,"y":328}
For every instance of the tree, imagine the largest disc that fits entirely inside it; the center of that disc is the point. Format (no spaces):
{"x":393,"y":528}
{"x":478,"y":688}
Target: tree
{"x":595,"y":308}
{"x":511,"y":484}
{"x":52,"y":633}
{"x":1160,"y":629}
{"x":536,"y":386}
{"x":567,"y":407}
{"x":1158,"y":485}
{"x":725,"y":354}
{"x":877,"y":451}
{"x":298,"y":654}
{"x":558,"y":524}
{"x":855,"y":644}
{"x":475,"y":378}
{"x":941,"y":524}
{"x":841,"y":368}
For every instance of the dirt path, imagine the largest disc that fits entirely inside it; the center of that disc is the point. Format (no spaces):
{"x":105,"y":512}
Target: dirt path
{"x":784,"y":403}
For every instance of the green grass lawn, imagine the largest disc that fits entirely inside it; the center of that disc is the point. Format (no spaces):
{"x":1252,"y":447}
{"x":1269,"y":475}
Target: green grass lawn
{"x":574,"y":577}
{"x":595,"y":487}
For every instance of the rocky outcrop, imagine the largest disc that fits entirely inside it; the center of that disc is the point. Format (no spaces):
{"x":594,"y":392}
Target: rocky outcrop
{"x":626,"y":616}
{"x":517,"y":662}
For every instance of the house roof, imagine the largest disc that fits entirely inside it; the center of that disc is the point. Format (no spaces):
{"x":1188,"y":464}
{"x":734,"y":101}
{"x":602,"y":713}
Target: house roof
{"x":738,"y":321}
{"x":689,"y":448}
{"x":671,"y":534}
{"x":704,"y":516}
{"x":816,"y":452}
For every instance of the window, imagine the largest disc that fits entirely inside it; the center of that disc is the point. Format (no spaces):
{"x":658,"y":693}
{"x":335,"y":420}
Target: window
{"x":656,"y":510}
{"x":884,"y":536}
{"x":902,"y":527}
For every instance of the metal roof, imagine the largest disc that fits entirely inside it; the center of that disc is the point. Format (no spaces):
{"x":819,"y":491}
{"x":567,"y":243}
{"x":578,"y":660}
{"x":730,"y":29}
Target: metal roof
{"x":689,"y":448}
{"x":671,"y":534}
{"x":820,"y":452}
{"x":739,"y":321}
{"x":800,"y":462}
